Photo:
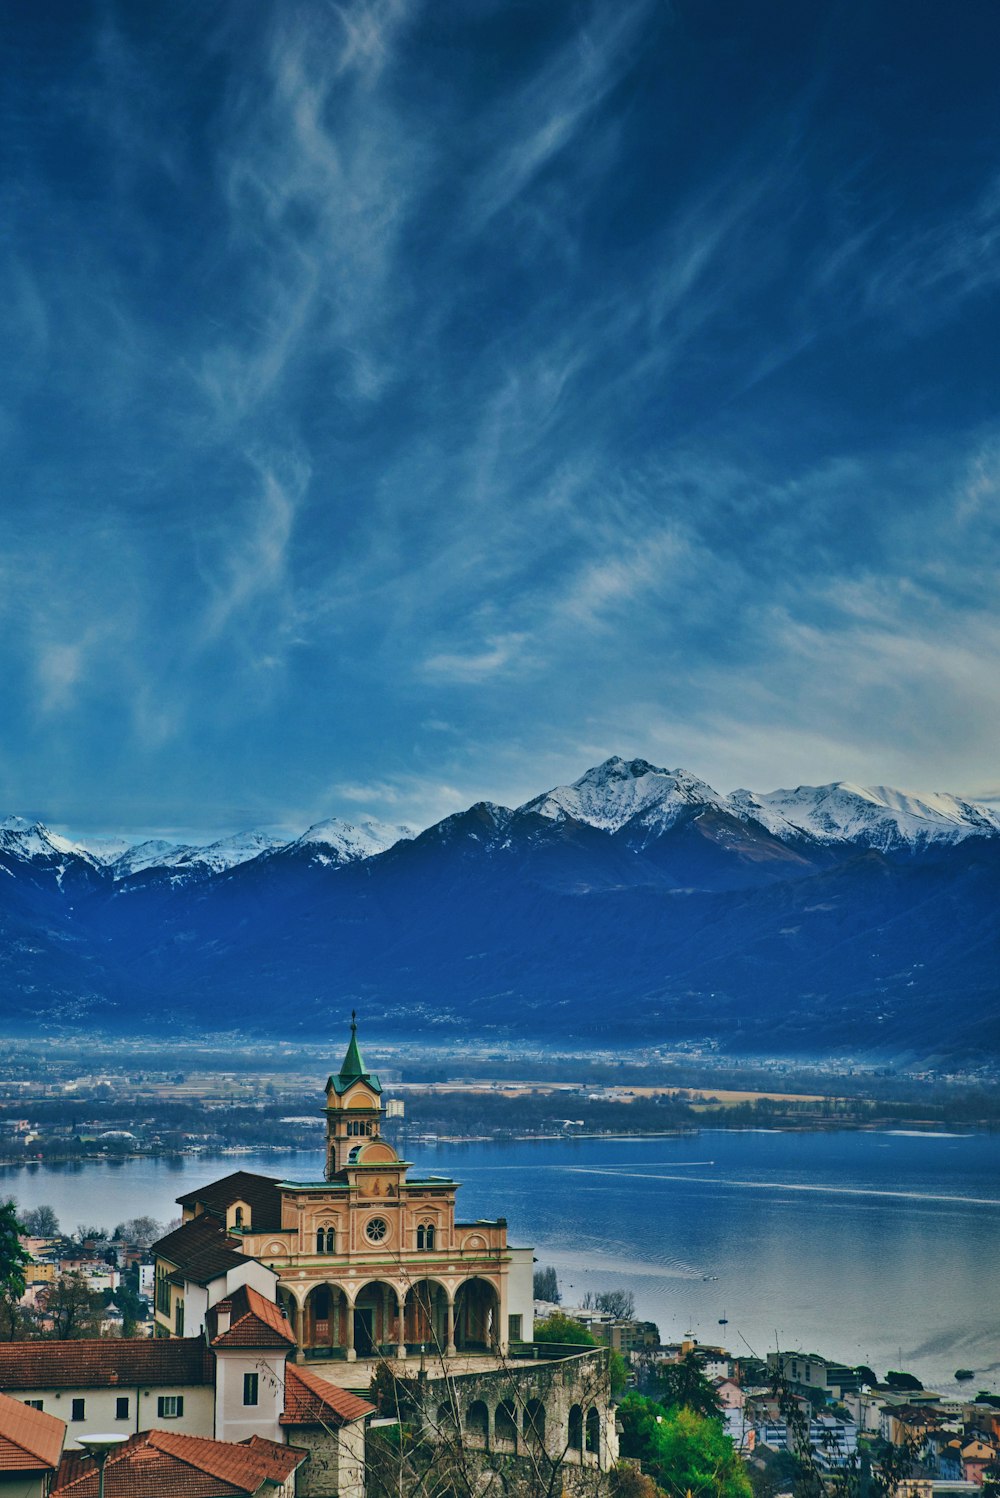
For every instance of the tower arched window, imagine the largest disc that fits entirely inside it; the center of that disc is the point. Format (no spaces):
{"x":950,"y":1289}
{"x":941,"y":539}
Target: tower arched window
{"x":238,"y":1219}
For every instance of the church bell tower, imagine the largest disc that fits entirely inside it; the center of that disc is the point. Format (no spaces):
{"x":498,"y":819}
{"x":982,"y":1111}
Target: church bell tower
{"x":353,"y":1107}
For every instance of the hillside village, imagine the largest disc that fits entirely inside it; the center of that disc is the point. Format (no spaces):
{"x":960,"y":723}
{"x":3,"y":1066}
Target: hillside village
{"x":331,"y":1338}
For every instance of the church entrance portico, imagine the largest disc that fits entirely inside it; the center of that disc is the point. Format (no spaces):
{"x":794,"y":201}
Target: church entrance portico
{"x":429,"y":1318}
{"x":378,"y":1321}
{"x":477,"y":1316}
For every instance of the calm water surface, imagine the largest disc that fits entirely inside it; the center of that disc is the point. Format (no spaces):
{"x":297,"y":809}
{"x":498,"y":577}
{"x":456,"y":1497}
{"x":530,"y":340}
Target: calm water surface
{"x":878,"y":1248}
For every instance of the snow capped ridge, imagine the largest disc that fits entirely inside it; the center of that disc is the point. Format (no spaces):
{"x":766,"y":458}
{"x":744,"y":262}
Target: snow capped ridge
{"x":618,"y":791}
{"x":334,"y":841}
{"x":33,"y":840}
{"x":873,"y":816}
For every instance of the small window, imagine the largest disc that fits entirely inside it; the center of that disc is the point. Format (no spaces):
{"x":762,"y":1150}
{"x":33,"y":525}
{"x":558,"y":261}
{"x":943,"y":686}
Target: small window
{"x":169,"y":1406}
{"x":430,"y":1235}
{"x":239,"y":1217}
{"x":34,"y":1404}
{"x":179,"y":1317}
{"x":79,"y":1410}
{"x":250,"y":1388}
{"x":121,"y":1408}
{"x":421,"y":1234}
{"x":320,"y":1240}
{"x":331,"y":1240}
{"x":514,"y":1328}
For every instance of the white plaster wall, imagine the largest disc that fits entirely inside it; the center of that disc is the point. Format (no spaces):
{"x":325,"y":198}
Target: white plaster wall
{"x":234,"y":1420}
{"x":100,"y":1405}
{"x":251,"y":1273}
{"x":520,"y":1290}
{"x":196,"y":1303}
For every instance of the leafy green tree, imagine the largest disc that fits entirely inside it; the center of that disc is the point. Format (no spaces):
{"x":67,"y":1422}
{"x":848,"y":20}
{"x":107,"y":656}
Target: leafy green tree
{"x":14,"y":1260}
{"x":684,"y":1452}
{"x":562,"y":1328}
{"x":14,"y":1257}
{"x":683,"y":1385}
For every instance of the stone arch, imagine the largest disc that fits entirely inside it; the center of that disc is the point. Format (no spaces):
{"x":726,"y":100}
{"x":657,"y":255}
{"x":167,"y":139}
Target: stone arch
{"x":477,"y":1425}
{"x":376,"y":1318}
{"x":575,"y":1430}
{"x":425,"y":1315}
{"x":505,"y":1426}
{"x":477,"y":1315}
{"x":594,"y":1432}
{"x":534,"y":1422}
{"x":445,"y":1421}
{"x":325,"y":1312}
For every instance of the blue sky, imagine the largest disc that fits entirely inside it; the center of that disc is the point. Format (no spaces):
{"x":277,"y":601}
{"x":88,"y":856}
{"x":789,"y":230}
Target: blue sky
{"x":405,"y":404}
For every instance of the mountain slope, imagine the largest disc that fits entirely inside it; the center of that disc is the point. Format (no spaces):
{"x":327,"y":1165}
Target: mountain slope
{"x":637,"y":903}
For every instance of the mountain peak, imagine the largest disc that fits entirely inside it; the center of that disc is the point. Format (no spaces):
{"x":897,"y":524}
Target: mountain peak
{"x":877,"y":816}
{"x":617,"y":791}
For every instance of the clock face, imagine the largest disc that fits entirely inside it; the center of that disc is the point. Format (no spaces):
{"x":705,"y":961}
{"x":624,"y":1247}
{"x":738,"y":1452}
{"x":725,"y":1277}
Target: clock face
{"x":376,"y":1229}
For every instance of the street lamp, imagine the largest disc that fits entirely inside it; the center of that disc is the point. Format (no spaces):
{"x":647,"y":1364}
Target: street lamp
{"x":100,"y":1448}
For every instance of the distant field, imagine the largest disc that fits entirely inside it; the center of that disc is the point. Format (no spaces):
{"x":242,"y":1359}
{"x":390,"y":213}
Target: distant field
{"x":727,"y":1097}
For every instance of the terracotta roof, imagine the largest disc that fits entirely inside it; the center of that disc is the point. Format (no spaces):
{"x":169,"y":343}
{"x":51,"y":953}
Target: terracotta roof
{"x":165,"y":1464}
{"x":261,"y":1194}
{"x":30,"y":1440}
{"x":310,"y":1400}
{"x":105,"y":1363}
{"x":201,"y":1248}
{"x":255,"y":1321}
{"x":275,"y":1457}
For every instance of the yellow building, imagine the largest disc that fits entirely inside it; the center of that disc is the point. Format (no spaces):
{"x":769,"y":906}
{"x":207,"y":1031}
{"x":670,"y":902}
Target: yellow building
{"x":370,"y":1260}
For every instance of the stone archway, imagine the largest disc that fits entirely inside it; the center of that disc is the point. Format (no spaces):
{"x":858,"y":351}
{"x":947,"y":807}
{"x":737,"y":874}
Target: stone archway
{"x":426,"y":1319}
{"x":325,"y":1325}
{"x":477,"y":1316}
{"x":377,"y":1323}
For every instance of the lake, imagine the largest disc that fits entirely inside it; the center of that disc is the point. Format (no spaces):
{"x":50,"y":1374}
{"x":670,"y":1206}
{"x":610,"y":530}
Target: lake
{"x":869,"y":1247}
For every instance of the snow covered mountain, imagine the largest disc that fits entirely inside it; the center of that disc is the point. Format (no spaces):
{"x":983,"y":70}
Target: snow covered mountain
{"x":637,"y":795}
{"x":637,"y":900}
{"x":868,"y":816}
{"x":619,"y":791}
{"x":636,"y":804}
{"x":337,"y":842}
{"x":23,"y":839}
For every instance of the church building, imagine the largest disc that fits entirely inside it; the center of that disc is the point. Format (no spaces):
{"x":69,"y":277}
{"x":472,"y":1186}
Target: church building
{"x":369,"y":1261}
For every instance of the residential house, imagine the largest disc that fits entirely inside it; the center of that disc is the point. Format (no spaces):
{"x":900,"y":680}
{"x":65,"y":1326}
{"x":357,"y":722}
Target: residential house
{"x":173,"y":1465}
{"x":31,"y":1444}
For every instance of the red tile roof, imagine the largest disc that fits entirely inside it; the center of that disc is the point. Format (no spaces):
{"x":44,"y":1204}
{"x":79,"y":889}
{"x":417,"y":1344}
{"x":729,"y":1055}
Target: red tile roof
{"x":30,"y":1440}
{"x":255,"y":1321}
{"x":105,"y":1363}
{"x":310,"y":1400}
{"x":165,"y":1464}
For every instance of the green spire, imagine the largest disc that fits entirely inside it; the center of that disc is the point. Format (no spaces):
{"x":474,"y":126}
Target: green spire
{"x":353,"y":1068}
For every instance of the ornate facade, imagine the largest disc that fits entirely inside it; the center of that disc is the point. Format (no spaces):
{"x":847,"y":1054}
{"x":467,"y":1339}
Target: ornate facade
{"x":370,"y":1260}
